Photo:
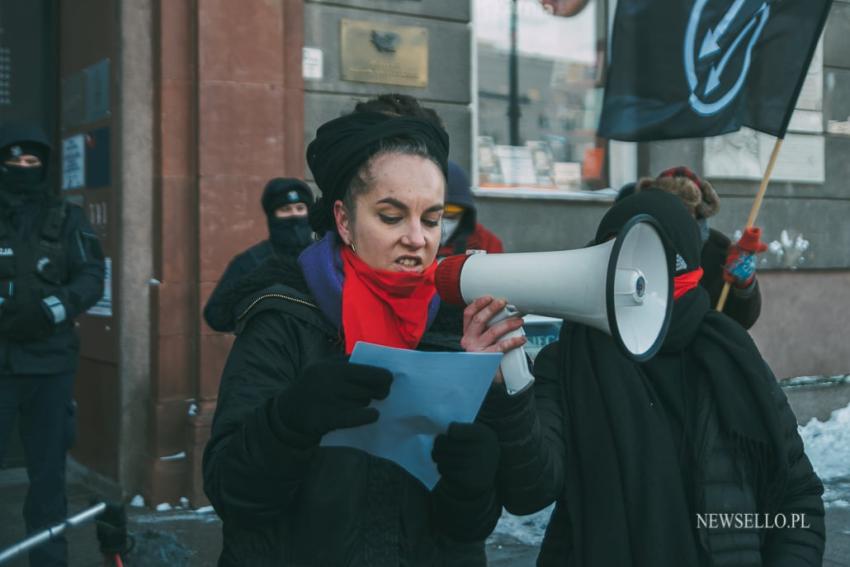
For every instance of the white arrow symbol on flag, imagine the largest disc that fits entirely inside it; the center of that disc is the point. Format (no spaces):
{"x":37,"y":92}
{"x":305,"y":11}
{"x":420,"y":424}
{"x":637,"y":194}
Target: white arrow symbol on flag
{"x":717,"y":70}
{"x":709,"y":44}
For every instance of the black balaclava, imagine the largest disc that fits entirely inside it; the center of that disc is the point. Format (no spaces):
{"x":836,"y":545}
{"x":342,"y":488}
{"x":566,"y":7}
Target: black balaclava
{"x":344,"y":144}
{"x":291,"y":235}
{"x":682,"y":235}
{"x":22,"y":183}
{"x":675,"y":220}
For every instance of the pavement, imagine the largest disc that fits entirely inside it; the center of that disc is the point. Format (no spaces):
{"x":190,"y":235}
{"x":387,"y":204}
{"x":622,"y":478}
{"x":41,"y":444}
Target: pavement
{"x":183,"y":537}
{"x":188,"y":538}
{"x":174,"y":538}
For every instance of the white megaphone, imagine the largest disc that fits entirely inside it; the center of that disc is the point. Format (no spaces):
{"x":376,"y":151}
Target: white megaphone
{"x":622,"y":287}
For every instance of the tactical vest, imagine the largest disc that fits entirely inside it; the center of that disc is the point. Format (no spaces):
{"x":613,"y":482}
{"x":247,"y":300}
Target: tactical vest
{"x":37,"y":263}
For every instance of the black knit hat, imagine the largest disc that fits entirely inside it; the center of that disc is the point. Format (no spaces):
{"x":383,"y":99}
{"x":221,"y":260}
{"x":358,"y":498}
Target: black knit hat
{"x":282,"y":191}
{"x":19,"y":139}
{"x":678,"y":225}
{"x":626,"y":190}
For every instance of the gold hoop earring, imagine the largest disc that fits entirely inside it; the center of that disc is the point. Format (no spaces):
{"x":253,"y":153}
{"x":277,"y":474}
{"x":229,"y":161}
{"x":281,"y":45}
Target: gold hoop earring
{"x":353,"y":247}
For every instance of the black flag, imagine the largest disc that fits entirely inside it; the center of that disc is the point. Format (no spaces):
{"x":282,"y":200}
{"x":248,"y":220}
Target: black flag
{"x":694,"y":68}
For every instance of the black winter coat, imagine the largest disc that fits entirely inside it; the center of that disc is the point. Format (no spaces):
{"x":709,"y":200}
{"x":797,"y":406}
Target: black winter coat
{"x":536,"y":450}
{"x":81,"y":287}
{"x":218,"y":312}
{"x":285,"y":502}
{"x":742,"y":305}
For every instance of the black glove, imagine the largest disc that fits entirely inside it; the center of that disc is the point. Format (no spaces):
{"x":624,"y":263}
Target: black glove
{"x":112,"y":530}
{"x":332,"y":395}
{"x":26,"y":319}
{"x":467,"y":457}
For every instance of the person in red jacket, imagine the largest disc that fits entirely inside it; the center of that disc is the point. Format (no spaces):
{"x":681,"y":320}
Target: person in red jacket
{"x":461,"y":231}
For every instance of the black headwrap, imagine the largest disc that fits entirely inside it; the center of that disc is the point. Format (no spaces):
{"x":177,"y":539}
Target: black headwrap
{"x":344,"y":144}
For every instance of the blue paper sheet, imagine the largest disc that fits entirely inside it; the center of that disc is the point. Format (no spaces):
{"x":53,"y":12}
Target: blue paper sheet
{"x":429,"y":391}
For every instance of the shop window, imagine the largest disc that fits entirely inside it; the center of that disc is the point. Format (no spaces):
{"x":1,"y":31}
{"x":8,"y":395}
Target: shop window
{"x":542,"y":133}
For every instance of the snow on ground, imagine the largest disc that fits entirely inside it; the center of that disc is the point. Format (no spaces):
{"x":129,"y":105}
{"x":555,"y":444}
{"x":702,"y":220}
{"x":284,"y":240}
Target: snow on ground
{"x":815,"y":381}
{"x":165,"y":512}
{"x":173,"y":516}
{"x":828,"y":447}
{"x":528,"y":530}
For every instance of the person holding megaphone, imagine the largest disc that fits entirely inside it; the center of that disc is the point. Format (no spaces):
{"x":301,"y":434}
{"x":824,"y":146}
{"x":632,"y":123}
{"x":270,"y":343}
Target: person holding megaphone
{"x":691,"y":457}
{"x":283,"y":498}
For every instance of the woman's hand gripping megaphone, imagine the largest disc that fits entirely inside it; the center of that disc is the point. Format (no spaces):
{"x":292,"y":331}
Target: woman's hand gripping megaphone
{"x":491,"y":325}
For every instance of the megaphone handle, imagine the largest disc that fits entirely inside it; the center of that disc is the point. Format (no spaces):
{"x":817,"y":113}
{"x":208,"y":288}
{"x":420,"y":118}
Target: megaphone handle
{"x":514,"y":363}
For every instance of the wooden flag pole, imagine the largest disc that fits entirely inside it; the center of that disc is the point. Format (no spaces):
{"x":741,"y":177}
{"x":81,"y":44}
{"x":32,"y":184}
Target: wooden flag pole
{"x":754,"y":211}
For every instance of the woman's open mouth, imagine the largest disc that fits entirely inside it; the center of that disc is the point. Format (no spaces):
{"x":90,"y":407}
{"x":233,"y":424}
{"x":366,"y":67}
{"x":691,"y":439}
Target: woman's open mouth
{"x":409,"y":263}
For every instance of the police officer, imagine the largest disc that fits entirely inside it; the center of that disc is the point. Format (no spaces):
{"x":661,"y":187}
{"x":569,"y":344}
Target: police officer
{"x":286,"y":203}
{"x":51,"y":271}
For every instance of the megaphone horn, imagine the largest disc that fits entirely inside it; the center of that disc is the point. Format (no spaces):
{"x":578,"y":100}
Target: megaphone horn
{"x":622,"y":287}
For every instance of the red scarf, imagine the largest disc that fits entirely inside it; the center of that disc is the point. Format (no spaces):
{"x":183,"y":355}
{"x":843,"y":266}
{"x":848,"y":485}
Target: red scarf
{"x":384,"y":307}
{"x":686,"y":282}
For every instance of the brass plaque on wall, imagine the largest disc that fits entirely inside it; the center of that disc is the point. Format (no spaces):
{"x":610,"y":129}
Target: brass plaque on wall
{"x":374,"y":52}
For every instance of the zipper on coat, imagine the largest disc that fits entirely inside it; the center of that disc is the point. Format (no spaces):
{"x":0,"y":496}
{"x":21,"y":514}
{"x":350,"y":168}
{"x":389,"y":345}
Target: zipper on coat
{"x":278,"y":296}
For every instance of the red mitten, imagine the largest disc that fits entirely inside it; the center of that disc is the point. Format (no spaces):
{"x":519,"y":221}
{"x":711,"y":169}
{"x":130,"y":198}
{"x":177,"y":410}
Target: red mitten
{"x":751,"y":241}
{"x":740,"y":267}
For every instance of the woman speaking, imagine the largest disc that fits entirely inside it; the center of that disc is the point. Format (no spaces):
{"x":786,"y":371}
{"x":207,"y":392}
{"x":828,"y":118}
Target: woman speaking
{"x":284,"y":499}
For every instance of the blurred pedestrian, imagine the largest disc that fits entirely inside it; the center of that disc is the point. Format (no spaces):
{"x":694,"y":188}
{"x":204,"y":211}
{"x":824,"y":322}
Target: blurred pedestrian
{"x":461,"y":232}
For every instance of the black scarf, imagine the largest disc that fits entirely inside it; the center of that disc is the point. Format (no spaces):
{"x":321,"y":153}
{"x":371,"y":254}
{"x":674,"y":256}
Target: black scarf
{"x":740,"y":382}
{"x":624,"y":491}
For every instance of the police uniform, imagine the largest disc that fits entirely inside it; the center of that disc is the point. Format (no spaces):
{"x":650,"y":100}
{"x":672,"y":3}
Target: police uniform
{"x":51,"y":271}
{"x":287,"y":237}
